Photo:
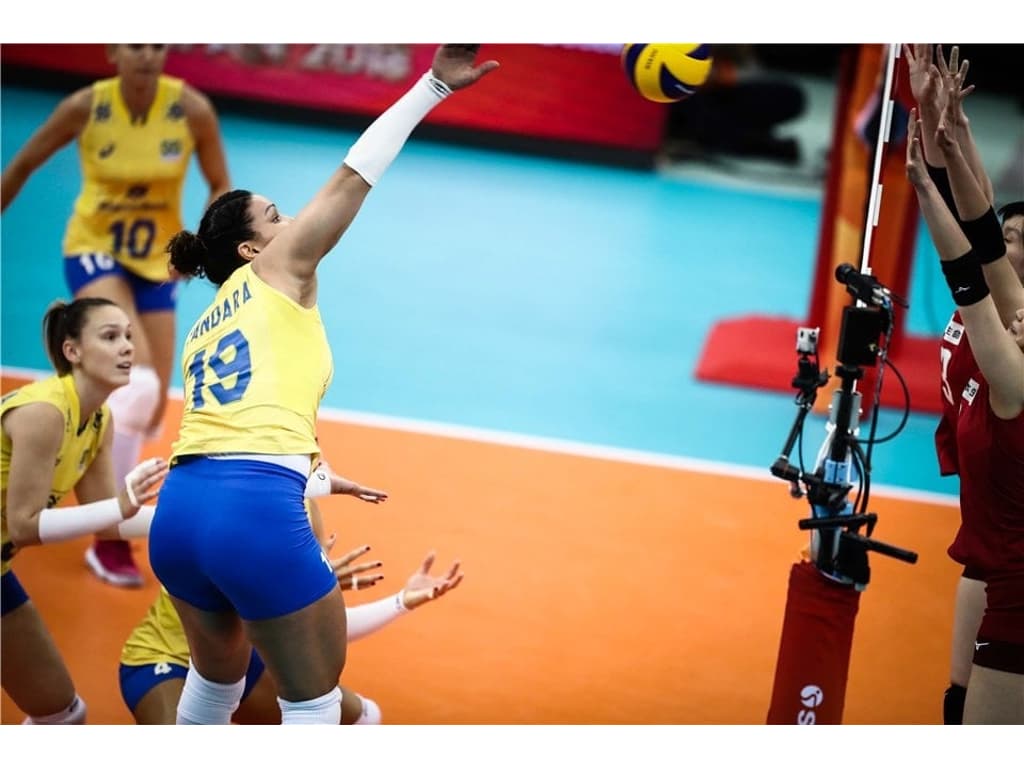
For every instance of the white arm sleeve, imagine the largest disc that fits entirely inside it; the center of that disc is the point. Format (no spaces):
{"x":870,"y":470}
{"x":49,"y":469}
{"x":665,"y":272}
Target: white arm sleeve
{"x":366,"y":619}
{"x":137,"y":527}
{"x":65,"y":523}
{"x":381,"y":142}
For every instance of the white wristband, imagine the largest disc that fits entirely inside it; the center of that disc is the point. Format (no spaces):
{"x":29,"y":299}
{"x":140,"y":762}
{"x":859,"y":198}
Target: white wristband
{"x":137,"y":526}
{"x":380,"y":144}
{"x":319,"y":483}
{"x":65,"y":523}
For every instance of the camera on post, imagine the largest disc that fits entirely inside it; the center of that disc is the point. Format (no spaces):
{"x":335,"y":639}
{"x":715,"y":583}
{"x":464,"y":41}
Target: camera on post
{"x":807,"y":341}
{"x":860,"y":335}
{"x":837,"y":548}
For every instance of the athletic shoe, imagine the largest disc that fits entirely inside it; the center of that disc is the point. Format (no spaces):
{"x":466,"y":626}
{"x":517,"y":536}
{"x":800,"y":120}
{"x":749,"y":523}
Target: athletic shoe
{"x":112,"y":562}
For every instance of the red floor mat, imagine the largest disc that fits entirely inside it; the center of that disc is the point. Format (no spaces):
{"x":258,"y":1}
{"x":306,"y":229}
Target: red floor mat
{"x":759,"y":351}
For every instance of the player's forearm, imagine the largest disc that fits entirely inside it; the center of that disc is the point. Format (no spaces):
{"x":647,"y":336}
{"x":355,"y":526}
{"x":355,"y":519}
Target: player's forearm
{"x":14,"y":177}
{"x":970,"y":150}
{"x":367,"y":619}
{"x":971,"y":202}
{"x":948,"y":238}
{"x":62,"y":523}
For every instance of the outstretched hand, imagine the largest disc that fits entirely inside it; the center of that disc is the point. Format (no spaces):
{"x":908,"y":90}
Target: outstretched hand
{"x":453,"y":65}
{"x":140,"y":485}
{"x":946,"y":133}
{"x":422,"y":587}
{"x":323,"y":481}
{"x":350,"y":575}
{"x":365,"y":493}
{"x":925,"y":78}
{"x":916,"y":172}
{"x":952,"y":78}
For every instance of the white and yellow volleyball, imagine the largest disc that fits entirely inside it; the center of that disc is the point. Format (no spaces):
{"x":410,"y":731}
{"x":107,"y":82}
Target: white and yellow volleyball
{"x":667,"y":72}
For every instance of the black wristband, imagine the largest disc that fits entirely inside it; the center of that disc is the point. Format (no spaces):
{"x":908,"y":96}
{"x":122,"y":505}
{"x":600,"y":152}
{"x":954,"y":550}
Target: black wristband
{"x":965,"y":279}
{"x":985,"y":236}
{"x":941,"y":180}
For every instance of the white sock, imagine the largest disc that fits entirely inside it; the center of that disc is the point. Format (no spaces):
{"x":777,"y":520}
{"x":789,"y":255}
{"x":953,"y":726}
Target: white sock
{"x":204,"y":702}
{"x":72,"y":715}
{"x":324,"y":710}
{"x":126,"y":449}
{"x":371,"y":712}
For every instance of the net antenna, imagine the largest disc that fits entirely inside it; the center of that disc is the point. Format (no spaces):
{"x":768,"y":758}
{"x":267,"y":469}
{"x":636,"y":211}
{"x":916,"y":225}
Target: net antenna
{"x":884,"y":130}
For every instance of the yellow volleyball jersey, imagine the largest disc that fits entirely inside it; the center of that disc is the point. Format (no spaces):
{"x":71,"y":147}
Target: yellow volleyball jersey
{"x":255,"y":366}
{"x":77,"y":450}
{"x":132,"y":177}
{"x":159,"y":638}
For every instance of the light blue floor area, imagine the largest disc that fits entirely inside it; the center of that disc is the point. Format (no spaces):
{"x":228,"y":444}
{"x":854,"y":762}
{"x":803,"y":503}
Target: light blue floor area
{"x":513,"y":293}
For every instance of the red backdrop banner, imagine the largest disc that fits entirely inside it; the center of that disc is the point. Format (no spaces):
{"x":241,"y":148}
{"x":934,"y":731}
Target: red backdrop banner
{"x":549,"y":92}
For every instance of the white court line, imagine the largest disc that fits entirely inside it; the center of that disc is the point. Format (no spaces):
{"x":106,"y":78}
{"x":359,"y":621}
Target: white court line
{"x":565,"y":447}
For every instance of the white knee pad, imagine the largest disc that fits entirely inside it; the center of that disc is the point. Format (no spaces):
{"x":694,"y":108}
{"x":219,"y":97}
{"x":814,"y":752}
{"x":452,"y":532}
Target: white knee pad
{"x":133,"y":404}
{"x":72,"y":715}
{"x":325,"y":710}
{"x":204,"y":702}
{"x":371,"y":712}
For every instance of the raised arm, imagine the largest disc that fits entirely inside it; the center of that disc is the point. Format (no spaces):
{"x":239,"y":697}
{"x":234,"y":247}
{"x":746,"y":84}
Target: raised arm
{"x":65,"y":123}
{"x":998,"y":356}
{"x":926,"y":87}
{"x":298,"y":249}
{"x":978,"y":220}
{"x":956,"y":71}
{"x":202,"y":122}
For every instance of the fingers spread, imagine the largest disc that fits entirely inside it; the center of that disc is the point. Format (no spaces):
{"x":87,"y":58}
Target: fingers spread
{"x":428,"y":563}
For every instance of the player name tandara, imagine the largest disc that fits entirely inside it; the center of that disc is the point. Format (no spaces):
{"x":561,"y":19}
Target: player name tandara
{"x":221,"y":311}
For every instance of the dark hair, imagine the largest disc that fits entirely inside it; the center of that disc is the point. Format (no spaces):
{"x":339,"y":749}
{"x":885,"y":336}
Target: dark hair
{"x":212,"y":252}
{"x":1016,"y":208}
{"x":65,"y":321}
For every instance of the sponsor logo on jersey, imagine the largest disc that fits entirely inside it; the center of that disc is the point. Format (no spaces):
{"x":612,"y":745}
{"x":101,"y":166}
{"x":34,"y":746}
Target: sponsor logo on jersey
{"x":970,"y":391}
{"x":954,"y":333}
{"x":136,"y":191}
{"x":170,"y":149}
{"x":175,"y":111}
{"x":106,"y":151}
{"x":103,"y":112}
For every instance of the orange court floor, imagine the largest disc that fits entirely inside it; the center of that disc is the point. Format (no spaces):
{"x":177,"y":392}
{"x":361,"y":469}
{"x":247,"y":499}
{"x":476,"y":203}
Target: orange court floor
{"x":596,"y":591}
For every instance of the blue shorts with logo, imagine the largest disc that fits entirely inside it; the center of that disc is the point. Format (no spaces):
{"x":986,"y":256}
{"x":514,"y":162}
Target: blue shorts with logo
{"x":80,"y":269}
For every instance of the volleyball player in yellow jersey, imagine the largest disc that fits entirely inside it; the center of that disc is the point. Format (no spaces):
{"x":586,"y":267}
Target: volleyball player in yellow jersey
{"x":136,"y":134}
{"x":56,"y":438}
{"x":154,"y":660}
{"x":230,"y":540}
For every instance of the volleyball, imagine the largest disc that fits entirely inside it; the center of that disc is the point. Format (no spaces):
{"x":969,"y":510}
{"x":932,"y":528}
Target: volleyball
{"x":667,"y":72}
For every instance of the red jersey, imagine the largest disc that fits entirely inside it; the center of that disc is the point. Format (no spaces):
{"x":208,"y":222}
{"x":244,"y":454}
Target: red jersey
{"x":958,"y":366}
{"x":991,"y":457}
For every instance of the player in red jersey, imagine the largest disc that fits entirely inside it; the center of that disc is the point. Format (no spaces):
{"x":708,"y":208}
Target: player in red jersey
{"x":990,"y":420}
{"x":929,"y":83}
